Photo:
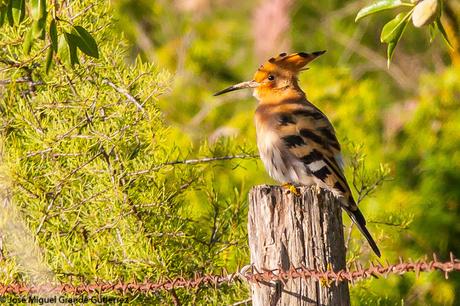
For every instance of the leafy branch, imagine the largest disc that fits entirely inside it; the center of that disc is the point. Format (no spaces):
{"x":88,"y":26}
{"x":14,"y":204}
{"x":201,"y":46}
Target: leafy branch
{"x":422,"y":13}
{"x":63,"y":38}
{"x":365,"y":182}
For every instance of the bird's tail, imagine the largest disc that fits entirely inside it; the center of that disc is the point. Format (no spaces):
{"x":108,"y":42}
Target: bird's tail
{"x":359,"y":220}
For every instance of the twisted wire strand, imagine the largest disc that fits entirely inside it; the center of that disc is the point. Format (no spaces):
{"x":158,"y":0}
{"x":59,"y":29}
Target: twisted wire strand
{"x":250,"y":274}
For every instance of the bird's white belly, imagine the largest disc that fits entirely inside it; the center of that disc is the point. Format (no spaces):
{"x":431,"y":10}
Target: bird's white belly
{"x":281,"y":165}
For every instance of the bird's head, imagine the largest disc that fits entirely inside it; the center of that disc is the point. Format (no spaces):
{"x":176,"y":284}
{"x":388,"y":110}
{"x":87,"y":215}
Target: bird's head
{"x":277,"y":75}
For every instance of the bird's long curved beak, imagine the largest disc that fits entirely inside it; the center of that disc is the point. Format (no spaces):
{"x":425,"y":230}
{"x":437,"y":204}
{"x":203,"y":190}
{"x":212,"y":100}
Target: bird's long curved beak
{"x":242,"y":85}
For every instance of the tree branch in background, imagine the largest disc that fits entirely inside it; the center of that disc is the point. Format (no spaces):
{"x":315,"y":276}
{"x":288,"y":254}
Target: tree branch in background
{"x":193,"y":162}
{"x":395,"y":72}
{"x":124,"y":92}
{"x":365,"y":182}
{"x":21,"y":80}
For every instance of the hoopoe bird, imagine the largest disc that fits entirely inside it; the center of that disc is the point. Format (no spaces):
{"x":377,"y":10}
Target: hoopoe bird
{"x":296,"y":141}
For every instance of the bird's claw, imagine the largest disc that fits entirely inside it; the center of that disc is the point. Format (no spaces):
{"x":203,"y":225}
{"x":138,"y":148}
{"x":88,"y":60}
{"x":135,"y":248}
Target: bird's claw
{"x":318,"y":189}
{"x":291,"y":188}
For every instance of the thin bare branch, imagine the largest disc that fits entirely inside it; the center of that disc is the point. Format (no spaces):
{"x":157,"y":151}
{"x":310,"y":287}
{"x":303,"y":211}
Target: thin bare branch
{"x":21,"y":80}
{"x":193,"y":162}
{"x":124,"y":92}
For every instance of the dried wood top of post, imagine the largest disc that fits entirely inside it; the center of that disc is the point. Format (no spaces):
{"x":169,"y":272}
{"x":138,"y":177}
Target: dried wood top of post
{"x":287,"y":231}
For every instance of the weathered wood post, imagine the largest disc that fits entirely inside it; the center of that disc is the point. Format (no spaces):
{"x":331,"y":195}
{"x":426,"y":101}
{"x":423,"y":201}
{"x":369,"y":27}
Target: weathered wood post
{"x":287,"y":230}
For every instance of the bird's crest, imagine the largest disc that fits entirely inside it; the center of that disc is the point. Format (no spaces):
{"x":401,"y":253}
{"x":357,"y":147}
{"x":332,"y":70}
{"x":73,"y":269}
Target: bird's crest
{"x":286,"y":64}
{"x":283,"y":67}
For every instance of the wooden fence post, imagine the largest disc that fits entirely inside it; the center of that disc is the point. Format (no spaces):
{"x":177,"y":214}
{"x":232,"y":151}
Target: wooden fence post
{"x":287,"y":230}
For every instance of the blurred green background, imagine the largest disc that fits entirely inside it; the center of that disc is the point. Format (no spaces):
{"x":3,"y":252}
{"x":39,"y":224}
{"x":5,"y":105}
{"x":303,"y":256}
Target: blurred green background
{"x":405,"y":118}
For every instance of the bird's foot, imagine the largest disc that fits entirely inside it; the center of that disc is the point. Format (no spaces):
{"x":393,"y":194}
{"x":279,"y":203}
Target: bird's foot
{"x":317,"y":189}
{"x":291,"y":188}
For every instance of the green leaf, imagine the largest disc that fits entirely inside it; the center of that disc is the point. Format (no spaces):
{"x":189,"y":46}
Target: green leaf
{"x":72,"y":42}
{"x":49,"y":60}
{"x":16,"y":11}
{"x":3,"y":10}
{"x":393,"y":30}
{"x":68,"y":49}
{"x":38,"y":9}
{"x":443,"y":32}
{"x":53,"y":35}
{"x":39,"y":14}
{"x":38,"y":27}
{"x":63,"y":48}
{"x":433,"y":32}
{"x":85,"y":41}
{"x":441,"y":9}
{"x":35,"y":8}
{"x":28,"y":41}
{"x":378,"y":7}
{"x":9,"y":12}
{"x":390,"y":50}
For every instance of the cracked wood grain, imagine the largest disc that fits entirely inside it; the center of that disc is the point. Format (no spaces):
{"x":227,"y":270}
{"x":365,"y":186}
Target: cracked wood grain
{"x":287,"y":230}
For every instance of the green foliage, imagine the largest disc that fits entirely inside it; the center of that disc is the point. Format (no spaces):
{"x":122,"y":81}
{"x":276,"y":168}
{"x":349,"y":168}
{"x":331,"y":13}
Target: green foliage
{"x":379,"y":7}
{"x":75,"y":38}
{"x":367,"y":107}
{"x":423,"y":12}
{"x":86,"y":157}
{"x":102,"y":149}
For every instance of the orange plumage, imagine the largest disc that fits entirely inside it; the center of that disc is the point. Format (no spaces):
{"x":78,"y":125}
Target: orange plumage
{"x":296,"y":141}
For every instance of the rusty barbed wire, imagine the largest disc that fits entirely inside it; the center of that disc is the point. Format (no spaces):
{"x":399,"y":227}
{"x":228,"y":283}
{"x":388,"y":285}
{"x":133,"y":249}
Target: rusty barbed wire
{"x":250,"y":274}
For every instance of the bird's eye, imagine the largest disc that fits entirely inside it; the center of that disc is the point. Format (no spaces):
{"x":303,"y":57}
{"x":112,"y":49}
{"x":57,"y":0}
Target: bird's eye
{"x":271,"y":77}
